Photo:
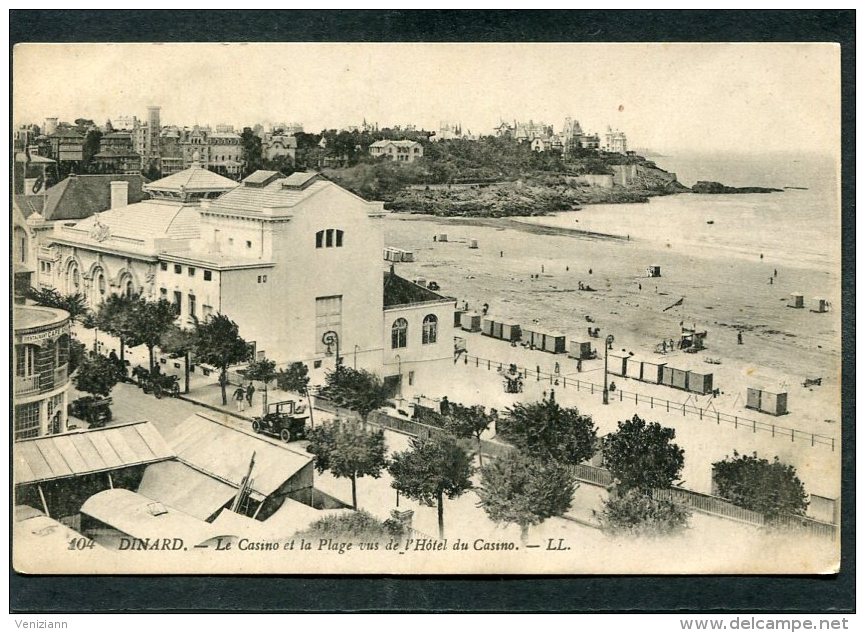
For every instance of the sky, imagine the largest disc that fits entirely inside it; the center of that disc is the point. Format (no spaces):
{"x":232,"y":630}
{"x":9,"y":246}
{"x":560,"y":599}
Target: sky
{"x":666,"y":97}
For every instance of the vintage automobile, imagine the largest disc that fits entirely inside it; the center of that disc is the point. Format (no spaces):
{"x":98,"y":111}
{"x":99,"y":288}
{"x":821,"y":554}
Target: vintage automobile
{"x":285,"y":420}
{"x":95,"y":411}
{"x":158,"y":384}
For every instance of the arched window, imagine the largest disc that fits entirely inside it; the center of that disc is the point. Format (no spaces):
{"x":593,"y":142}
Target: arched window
{"x":430,"y":329}
{"x":130,"y":289}
{"x":329,"y":238}
{"x":73,"y":278}
{"x":399,"y":334}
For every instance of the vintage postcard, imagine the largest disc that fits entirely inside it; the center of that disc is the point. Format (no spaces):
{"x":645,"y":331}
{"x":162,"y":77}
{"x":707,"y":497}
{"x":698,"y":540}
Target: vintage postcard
{"x":426,"y":308}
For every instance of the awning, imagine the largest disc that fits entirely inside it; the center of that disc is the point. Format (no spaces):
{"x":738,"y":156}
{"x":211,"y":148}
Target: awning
{"x":85,"y":452}
{"x":179,"y":486}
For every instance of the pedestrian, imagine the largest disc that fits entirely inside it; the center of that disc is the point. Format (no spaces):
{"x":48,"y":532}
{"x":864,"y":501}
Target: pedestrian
{"x":776,"y":272}
{"x":557,"y":368}
{"x":567,"y":268}
{"x":542,"y":268}
{"x":435,"y":238}
{"x":579,"y":365}
{"x":761,"y":255}
{"x":590,"y":271}
{"x":771,"y":280}
{"x":739,"y":337}
{"x":239,"y":395}
{"x":250,"y":391}
{"x":671,"y":345}
{"x":640,"y":287}
{"x":612,"y":386}
{"x":544,"y":394}
{"x":538,"y":370}
{"x":501,"y":253}
{"x":664,"y":346}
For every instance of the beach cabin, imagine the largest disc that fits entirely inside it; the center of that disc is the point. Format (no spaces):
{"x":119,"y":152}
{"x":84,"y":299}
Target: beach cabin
{"x":473,"y":243}
{"x":458,"y":317}
{"x":821,"y":304}
{"x":700,"y":382}
{"x":442,"y":237}
{"x":554,"y":342}
{"x":407,"y":256}
{"x":617,"y":363}
{"x":678,"y":378}
{"x":797,"y":300}
{"x":487,"y":326}
{"x":510,"y":331}
{"x":634,"y":368}
{"x":497,"y":329}
{"x":421,"y":281}
{"x":766,"y":401}
{"x":653,"y":271}
{"x":581,"y":350}
{"x":471,"y":322}
{"x":653,"y":371}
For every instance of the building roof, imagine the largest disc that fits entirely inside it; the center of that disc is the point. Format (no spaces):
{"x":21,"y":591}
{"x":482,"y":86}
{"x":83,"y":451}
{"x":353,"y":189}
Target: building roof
{"x":193,"y":179}
{"x":21,"y":157}
{"x":92,"y":451}
{"x":282,"y":192}
{"x":113,"y":153}
{"x":26,"y":317}
{"x":66,"y":133}
{"x":399,"y":291}
{"x":180,"y":486}
{"x":80,"y":196}
{"x":217,"y":261}
{"x":144,"y":518}
{"x":404,"y":143}
{"x":262,"y":177}
{"x":146,"y":220}
{"x":200,"y":441}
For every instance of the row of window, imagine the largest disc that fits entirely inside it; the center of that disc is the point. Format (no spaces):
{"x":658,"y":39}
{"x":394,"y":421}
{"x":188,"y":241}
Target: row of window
{"x":45,"y":267}
{"x":191,"y":303}
{"x":329,"y":238}
{"x":178,"y":270}
{"x":399,"y":332}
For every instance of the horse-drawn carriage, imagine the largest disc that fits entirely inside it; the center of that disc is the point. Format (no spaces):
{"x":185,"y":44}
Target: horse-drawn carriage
{"x":157,"y":383}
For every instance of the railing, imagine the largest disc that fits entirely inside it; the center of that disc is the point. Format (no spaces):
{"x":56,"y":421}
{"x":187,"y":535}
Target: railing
{"x":709,"y":505}
{"x":707,"y":414}
{"x":26,"y":385}
{"x":592,"y":474}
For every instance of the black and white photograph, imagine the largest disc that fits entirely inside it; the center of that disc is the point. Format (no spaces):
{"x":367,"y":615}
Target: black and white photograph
{"x":426,"y":308}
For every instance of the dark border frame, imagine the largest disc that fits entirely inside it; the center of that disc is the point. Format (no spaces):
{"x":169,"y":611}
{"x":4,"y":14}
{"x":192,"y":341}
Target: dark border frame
{"x":654,"y":594}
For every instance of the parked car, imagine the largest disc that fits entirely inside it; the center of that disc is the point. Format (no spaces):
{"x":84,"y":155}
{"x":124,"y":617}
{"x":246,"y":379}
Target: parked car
{"x":285,"y":420}
{"x":95,"y":411}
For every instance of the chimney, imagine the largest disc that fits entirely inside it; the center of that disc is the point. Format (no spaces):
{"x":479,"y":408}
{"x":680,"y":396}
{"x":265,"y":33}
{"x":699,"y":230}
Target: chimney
{"x":119,"y":194}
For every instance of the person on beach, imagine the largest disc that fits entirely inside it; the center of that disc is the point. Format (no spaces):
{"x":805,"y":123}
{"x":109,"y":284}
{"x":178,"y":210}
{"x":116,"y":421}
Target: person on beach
{"x":776,"y":272}
{"x":239,"y":395}
{"x":250,"y":391}
{"x":640,"y":287}
{"x":664,"y":346}
{"x":435,"y":238}
{"x":579,"y":365}
{"x":739,"y":337}
{"x":542,"y":268}
{"x":671,"y":345}
{"x":771,"y":280}
{"x":538,"y":370}
{"x":501,"y":253}
{"x":590,"y":271}
{"x":557,"y":368}
{"x":761,"y":255}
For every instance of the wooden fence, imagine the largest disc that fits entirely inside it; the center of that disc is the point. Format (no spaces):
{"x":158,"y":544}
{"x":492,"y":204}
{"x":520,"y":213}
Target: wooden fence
{"x":709,"y":414}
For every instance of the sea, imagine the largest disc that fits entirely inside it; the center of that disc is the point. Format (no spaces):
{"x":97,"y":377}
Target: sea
{"x":799,"y":227}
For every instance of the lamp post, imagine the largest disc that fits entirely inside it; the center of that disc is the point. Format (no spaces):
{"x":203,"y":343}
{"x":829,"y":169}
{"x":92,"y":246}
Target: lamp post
{"x":399,"y":371}
{"x":607,"y":345}
{"x":331,"y":338}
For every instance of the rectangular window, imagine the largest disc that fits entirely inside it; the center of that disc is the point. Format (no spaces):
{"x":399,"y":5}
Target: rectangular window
{"x":190,"y":301}
{"x":178,"y":299}
{"x":338,"y":238}
{"x":163,"y":265}
{"x":191,"y":271}
{"x":177,"y":269}
{"x":264,"y":279}
{"x":27,"y":421}
{"x":208,"y":275}
{"x":319,"y":239}
{"x":328,"y":318}
{"x":25,"y":360}
{"x":328,"y":241}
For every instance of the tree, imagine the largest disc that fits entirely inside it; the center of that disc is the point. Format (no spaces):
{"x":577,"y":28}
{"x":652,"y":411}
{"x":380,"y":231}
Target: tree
{"x":642,"y":455}
{"x":354,"y":527}
{"x":218,"y":343}
{"x":74,"y":303}
{"x":91,"y":147}
{"x":150,"y":320}
{"x":263,"y":370}
{"x":547,"y":431}
{"x":348,"y":450}
{"x":468,"y":422}
{"x":96,"y":375}
{"x":772,"y":488}
{"x":115,"y":317}
{"x":519,"y":489}
{"x":636,"y":513}
{"x":296,"y":378}
{"x":251,"y":151}
{"x":77,"y":354}
{"x":179,"y":342}
{"x":355,"y":389}
{"x":430,"y":470}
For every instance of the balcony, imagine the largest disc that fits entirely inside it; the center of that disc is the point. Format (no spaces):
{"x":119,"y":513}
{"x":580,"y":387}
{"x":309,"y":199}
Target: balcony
{"x":25,"y":386}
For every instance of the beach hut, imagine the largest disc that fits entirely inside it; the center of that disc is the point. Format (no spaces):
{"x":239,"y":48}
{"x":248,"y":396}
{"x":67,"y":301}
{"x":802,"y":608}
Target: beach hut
{"x":510,"y":331}
{"x":487,"y":326}
{"x":531,"y":337}
{"x":634,"y":368}
{"x":497,"y":329}
{"x":473,"y":243}
{"x":699,"y":382}
{"x":554,"y":342}
{"x":797,"y":300}
{"x":407,"y":256}
{"x":679,"y":379}
{"x":421,"y":281}
{"x":471,"y":322}
{"x":442,"y":237}
{"x":667,"y":376}
{"x":821,"y":304}
{"x":653,"y":371}
{"x":617,"y":363}
{"x":767,"y":401}
{"x":653,"y":271}
{"x":581,"y":350}
{"x":458,"y":317}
